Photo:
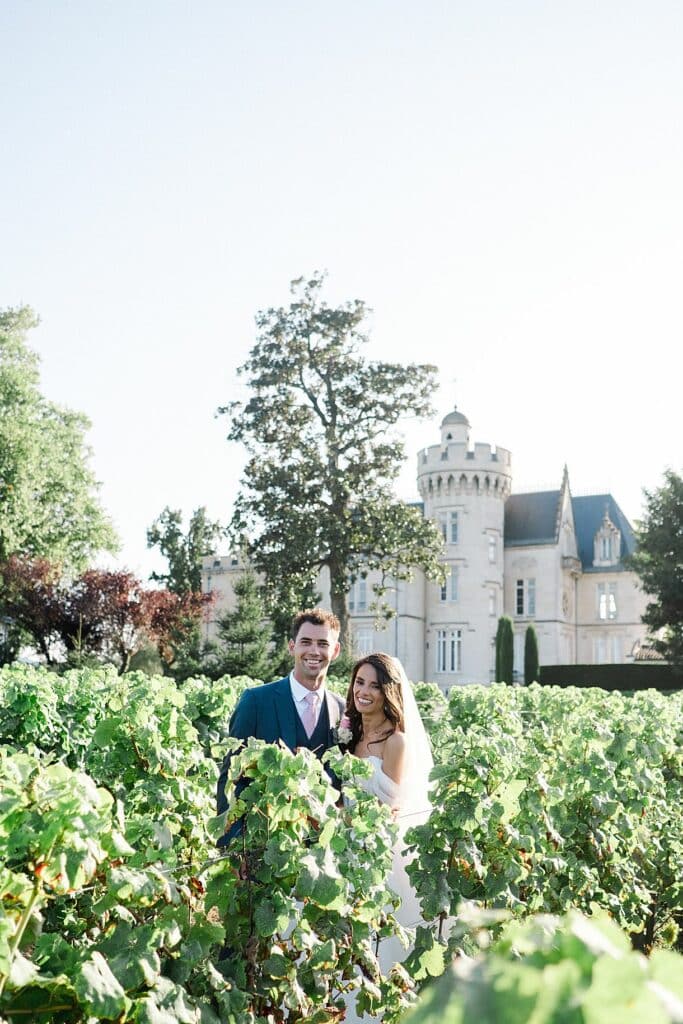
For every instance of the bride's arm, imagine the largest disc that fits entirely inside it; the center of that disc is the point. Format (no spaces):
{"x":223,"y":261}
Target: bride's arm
{"x":394,"y":757}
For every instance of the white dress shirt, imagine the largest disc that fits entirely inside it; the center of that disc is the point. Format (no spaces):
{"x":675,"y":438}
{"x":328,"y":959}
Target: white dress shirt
{"x":299,"y":694}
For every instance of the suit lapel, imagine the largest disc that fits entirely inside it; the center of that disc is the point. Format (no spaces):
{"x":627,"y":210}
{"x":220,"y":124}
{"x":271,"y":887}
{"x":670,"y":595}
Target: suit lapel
{"x":333,"y":709}
{"x":285,"y":712}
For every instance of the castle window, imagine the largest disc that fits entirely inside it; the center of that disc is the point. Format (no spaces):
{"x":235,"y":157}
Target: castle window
{"x":493,"y":603}
{"x":493,"y":548}
{"x":449,"y":650}
{"x":449,"y":589}
{"x":362,"y":641}
{"x":358,"y":596}
{"x":607,"y":543}
{"x":607,"y":601}
{"x":525,"y":597}
{"x":453,"y":527}
{"x":607,"y":650}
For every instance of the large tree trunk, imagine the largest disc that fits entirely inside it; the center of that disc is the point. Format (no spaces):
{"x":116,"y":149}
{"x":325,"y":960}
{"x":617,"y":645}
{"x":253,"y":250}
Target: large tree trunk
{"x":338,"y":602}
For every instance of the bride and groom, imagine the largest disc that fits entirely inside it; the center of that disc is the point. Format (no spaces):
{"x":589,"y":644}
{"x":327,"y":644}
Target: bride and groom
{"x":380,"y":710}
{"x":382,"y":715}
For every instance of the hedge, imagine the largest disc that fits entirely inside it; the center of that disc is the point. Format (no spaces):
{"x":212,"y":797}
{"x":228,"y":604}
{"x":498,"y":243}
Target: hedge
{"x":632,"y":676}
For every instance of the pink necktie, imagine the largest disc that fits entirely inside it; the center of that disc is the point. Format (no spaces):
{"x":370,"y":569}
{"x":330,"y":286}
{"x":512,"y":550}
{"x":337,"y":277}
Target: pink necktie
{"x":310,"y":715}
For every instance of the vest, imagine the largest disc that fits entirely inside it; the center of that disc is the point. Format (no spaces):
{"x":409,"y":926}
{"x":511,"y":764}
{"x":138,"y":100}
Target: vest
{"x":319,"y":741}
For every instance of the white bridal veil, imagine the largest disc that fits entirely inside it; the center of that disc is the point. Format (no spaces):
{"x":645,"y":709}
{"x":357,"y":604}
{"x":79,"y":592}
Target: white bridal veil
{"x":414,"y":800}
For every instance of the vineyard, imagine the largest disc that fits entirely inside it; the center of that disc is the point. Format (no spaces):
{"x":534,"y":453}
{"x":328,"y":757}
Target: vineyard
{"x":552,"y":864}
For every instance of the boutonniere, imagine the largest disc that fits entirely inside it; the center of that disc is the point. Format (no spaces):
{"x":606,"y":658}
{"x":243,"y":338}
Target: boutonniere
{"x":342,"y":733}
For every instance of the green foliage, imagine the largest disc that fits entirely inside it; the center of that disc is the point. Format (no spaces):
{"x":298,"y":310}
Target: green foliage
{"x":316,"y":492}
{"x":546,"y":799}
{"x":658,"y":560}
{"x":504,"y":650}
{"x":532,"y":670}
{"x":553,"y":970}
{"x":115,"y":906}
{"x":48,"y":494}
{"x":303,"y":891}
{"x":183,"y":551}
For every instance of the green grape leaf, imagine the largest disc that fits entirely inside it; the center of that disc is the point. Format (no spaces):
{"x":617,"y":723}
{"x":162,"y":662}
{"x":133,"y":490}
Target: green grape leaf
{"x":98,"y":990}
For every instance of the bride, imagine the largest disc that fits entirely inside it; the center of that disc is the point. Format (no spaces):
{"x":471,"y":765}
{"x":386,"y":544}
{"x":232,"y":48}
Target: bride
{"x":388,"y":732}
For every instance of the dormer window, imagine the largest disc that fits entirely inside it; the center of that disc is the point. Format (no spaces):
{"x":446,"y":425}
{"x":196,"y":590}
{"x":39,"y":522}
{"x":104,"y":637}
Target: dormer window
{"x":607,"y":543}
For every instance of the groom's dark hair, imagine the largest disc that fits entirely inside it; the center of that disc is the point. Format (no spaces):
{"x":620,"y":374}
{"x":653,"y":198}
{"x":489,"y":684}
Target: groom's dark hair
{"x":318,"y":617}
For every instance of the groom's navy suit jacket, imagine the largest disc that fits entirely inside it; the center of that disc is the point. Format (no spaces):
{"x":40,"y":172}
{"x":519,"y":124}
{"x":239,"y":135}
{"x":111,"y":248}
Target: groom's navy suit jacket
{"x":268,"y":713}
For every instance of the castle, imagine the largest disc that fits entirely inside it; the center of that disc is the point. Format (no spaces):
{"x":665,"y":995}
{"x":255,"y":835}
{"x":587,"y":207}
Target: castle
{"x":545,"y":558}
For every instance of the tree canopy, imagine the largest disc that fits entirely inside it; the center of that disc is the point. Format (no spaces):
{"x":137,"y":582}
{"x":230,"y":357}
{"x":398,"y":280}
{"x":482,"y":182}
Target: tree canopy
{"x":316,"y":493}
{"x":658,"y":560}
{"x":101,"y":615}
{"x":49,"y":507}
{"x":183,"y":550}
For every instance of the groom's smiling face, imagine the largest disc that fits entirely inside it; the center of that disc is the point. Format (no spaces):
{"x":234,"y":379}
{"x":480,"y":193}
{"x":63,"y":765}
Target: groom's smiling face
{"x":313,"y":650}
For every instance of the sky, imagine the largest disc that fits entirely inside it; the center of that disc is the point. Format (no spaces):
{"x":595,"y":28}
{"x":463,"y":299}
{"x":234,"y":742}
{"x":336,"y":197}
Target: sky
{"x":500,"y":183}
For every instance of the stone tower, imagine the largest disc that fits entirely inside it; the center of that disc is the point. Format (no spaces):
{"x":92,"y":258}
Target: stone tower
{"x":464,"y":488}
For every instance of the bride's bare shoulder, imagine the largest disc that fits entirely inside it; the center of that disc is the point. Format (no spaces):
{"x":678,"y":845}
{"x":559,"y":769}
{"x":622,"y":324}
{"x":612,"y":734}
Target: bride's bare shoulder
{"x":394,"y":748}
{"x":395,"y":742}
{"x":394,"y":751}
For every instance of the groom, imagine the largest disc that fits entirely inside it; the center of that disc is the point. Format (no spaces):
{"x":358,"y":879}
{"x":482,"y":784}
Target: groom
{"x":297,"y":709}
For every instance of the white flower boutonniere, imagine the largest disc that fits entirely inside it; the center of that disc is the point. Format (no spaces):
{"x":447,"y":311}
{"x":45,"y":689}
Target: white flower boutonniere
{"x":343,"y":734}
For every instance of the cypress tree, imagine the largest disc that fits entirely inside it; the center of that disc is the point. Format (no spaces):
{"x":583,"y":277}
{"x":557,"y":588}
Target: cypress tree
{"x":504,"y":650}
{"x":532,"y":669}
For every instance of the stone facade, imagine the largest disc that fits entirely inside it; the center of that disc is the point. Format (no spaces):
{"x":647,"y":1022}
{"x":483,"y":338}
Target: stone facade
{"x":544,"y":558}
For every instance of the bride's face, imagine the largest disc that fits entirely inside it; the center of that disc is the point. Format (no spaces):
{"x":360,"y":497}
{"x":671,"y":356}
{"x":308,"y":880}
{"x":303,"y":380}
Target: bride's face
{"x":367,"y":692}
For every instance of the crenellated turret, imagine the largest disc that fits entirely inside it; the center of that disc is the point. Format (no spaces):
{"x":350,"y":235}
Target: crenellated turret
{"x":455,"y":467}
{"x":464,"y":488}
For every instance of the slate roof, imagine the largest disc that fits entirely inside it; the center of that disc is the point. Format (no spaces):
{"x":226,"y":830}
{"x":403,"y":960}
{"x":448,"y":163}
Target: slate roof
{"x":531,"y":518}
{"x":588,"y":514}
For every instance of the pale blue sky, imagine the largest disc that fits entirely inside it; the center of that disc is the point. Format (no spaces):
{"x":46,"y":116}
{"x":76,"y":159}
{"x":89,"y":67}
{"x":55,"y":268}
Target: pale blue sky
{"x":500,"y":182}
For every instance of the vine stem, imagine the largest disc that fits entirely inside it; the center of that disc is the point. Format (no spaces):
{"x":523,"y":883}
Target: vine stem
{"x":19,"y":934}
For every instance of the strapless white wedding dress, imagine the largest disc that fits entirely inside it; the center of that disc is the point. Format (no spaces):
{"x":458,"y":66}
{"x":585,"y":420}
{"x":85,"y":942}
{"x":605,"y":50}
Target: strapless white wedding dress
{"x":391,"y":951}
{"x":388,"y":792}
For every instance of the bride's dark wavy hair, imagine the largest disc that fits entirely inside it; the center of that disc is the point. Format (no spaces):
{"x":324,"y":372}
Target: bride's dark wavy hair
{"x":389,"y":680}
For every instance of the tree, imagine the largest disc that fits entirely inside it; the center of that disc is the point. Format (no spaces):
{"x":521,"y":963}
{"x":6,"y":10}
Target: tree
{"x":183,"y":551}
{"x":48,"y":495}
{"x":532,"y":670}
{"x":31,"y":604}
{"x":183,"y":650}
{"x":316,"y":493}
{"x":101,"y":615}
{"x":658,"y":560}
{"x":175,"y":626}
{"x":504,"y":650}
{"x":244,"y":635}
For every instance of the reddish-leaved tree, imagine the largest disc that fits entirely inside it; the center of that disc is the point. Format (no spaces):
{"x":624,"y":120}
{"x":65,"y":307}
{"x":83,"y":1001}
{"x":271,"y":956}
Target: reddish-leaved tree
{"x":108,"y":615}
